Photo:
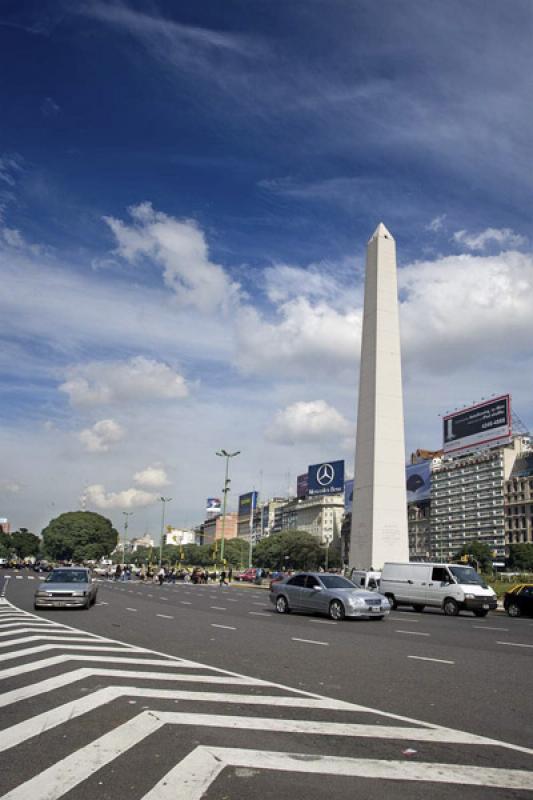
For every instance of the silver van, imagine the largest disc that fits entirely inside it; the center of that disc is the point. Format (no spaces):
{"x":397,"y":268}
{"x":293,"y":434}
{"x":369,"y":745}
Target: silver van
{"x":452,"y":587}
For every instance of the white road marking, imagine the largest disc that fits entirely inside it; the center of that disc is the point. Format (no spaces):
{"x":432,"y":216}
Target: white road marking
{"x":19,"y":577}
{"x":324,"y":621}
{"x":437,"y":660}
{"x":130,"y":609}
{"x":402,"y":619}
{"x":309,"y":641}
{"x":487,"y":628}
{"x":165,"y":616}
{"x":192,"y":777}
{"x":186,"y":602}
{"x":28,"y":651}
{"x":226,"y":627}
{"x":413,"y":633}
{"x":515,"y":644}
{"x":32,"y":628}
{"x":259,"y":613}
{"x":218,"y":608}
{"x":48,"y":638}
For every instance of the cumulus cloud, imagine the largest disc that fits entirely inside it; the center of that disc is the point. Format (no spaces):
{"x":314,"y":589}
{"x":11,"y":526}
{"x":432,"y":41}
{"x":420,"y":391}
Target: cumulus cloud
{"x":152,"y":477}
{"x":101,"y":436}
{"x":436,"y":224}
{"x":180,"y":248}
{"x":503,"y":237}
{"x":97,"y":496}
{"x":304,"y":339}
{"x":10,"y":487}
{"x":313,"y":421}
{"x":283,"y":282}
{"x":111,"y":382}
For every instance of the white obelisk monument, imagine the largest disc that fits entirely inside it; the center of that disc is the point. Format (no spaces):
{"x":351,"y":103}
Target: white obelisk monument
{"x":379,"y":515}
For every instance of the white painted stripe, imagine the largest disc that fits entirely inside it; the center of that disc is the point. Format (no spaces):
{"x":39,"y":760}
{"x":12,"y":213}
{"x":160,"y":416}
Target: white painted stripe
{"x":413,"y":633}
{"x":28,"y":651}
{"x":186,"y":602}
{"x":323,"y":621}
{"x":515,"y":644}
{"x":487,"y":628}
{"x":35,"y":626}
{"x":164,"y":616}
{"x":259,"y":614}
{"x":191,"y":778}
{"x":403,"y":619}
{"x":130,"y":609}
{"x":68,"y":773}
{"x":47,"y":637}
{"x":31,"y":577}
{"x":19,"y":577}
{"x":437,"y":660}
{"x":218,"y":608}
{"x":309,"y":641}
{"x":226,"y":627}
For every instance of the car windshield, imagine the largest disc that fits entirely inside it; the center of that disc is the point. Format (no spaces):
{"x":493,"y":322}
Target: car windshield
{"x":67,"y":576}
{"x":466,"y":575}
{"x":336,"y":582}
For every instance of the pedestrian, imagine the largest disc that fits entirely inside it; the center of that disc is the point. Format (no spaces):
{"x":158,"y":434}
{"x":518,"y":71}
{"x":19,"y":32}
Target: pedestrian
{"x":230,"y":574}
{"x":222,"y":580}
{"x":118,"y":572}
{"x":161,"y":575}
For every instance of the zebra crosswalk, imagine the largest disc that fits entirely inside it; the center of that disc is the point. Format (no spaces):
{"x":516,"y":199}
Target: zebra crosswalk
{"x":78,"y":710}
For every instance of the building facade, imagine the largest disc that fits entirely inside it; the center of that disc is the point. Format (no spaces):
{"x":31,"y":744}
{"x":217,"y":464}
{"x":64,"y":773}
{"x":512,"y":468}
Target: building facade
{"x":518,"y":502}
{"x":212,"y":528}
{"x":319,"y":515}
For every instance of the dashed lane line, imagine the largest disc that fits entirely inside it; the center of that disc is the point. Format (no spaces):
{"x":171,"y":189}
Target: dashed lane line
{"x":487,"y":628}
{"x":130,"y":609}
{"x":218,"y":608}
{"x":323,"y":621}
{"x":186,"y":602}
{"x":259,"y":614}
{"x":515,"y":644}
{"x":437,"y":660}
{"x":226,"y":627}
{"x":413,"y":633}
{"x":309,"y":641}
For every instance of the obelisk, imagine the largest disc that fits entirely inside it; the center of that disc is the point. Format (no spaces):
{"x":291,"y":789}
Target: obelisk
{"x":379,"y":515}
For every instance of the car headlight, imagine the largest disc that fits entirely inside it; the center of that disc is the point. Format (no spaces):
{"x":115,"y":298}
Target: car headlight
{"x":41,"y":594}
{"x":79,"y":594}
{"x":356,"y":601}
{"x":470,"y":596}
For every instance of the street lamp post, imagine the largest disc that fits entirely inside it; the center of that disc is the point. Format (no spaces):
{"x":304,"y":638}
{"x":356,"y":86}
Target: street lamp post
{"x":126,"y":515}
{"x":164,"y":501}
{"x":227,"y":456}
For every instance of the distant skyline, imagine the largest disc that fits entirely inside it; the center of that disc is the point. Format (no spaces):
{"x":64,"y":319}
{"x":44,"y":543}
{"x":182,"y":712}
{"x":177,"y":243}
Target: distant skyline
{"x":186,"y":194}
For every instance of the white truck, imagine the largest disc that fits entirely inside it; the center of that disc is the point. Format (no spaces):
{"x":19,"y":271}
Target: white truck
{"x":452,"y":587}
{"x":365,"y":579}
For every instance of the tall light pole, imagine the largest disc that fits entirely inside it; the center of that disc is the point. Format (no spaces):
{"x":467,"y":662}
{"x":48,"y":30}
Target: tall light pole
{"x":126,"y":515}
{"x":164,"y":501}
{"x":227,"y":456}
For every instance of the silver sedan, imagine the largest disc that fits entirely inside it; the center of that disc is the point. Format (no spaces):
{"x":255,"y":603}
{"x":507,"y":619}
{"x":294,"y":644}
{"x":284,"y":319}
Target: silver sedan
{"x":326,"y":593}
{"x":67,"y":587}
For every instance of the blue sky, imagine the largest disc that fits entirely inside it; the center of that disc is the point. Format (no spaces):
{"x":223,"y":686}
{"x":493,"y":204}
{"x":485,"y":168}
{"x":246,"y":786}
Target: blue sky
{"x":186,"y":191}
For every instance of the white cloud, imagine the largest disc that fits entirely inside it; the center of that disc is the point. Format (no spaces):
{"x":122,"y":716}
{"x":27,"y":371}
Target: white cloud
{"x":437,"y":223}
{"x":283,"y":282}
{"x":123,"y":382}
{"x":97,"y":496}
{"x":101,"y":436}
{"x":305,"y":339}
{"x":10,"y":165}
{"x":152,"y":478}
{"x":503,"y":237}
{"x":10,"y":487}
{"x":314,"y":421}
{"x":180,"y":248}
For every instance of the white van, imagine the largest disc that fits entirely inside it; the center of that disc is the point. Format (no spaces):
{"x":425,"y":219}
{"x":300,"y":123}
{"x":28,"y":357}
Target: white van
{"x":452,"y":587}
{"x":365,"y":579}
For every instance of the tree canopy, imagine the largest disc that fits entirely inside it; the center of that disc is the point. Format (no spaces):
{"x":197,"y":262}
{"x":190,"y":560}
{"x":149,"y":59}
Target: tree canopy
{"x":521,"y":556}
{"x":79,"y":536}
{"x":21,"y":543}
{"x":478,"y":551}
{"x":289,"y":550}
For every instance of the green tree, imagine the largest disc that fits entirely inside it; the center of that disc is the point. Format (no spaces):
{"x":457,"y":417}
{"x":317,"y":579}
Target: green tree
{"x":289,"y":549}
{"x":478,"y":551}
{"x":521,"y":556}
{"x":6,"y":545}
{"x":25,"y":544}
{"x":79,"y":535}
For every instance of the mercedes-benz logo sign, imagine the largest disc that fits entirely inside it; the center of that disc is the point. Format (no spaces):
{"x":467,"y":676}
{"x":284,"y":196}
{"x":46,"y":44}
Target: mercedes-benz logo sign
{"x":325,"y":474}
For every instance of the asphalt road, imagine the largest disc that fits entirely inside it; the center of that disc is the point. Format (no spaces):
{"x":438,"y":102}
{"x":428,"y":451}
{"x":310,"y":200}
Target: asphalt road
{"x":467,"y":674}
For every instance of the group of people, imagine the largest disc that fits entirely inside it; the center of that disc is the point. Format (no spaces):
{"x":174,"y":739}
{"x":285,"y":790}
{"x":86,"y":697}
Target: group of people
{"x":171,"y":575}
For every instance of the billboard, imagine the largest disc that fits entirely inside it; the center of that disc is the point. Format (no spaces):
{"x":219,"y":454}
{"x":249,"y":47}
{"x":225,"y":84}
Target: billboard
{"x":418,"y":481}
{"x":213,"y":505}
{"x":247,"y":502}
{"x":348,"y":496}
{"x":479,"y":425}
{"x":302,"y":486}
{"x":326,"y":478}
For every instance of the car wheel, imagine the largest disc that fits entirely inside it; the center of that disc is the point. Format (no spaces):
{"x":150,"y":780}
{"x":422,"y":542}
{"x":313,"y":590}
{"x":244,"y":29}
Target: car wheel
{"x":513,"y":610}
{"x":480,"y":612}
{"x":336,"y":610}
{"x":392,"y":601}
{"x":451,"y":609}
{"x":418,"y":607}
{"x":87,"y":604}
{"x":282,"y":606}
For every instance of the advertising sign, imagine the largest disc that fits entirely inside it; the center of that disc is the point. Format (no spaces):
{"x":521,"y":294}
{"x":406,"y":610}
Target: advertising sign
{"x":247,"y":502}
{"x":326,"y":478}
{"x":302,"y":486}
{"x":481,"y":424}
{"x":418,"y":481}
{"x":213,"y":505}
{"x":348,"y":496}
